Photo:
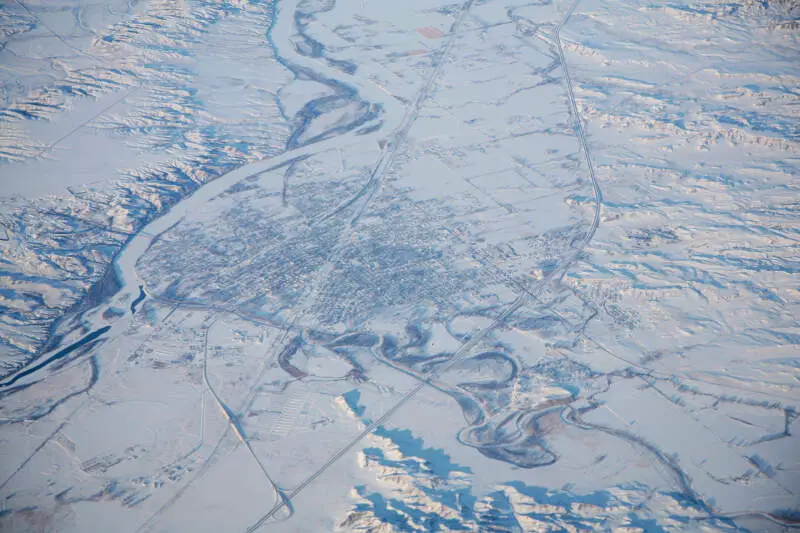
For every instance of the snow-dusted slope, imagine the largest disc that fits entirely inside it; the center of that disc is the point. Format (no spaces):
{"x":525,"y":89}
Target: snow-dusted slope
{"x":418,"y":266}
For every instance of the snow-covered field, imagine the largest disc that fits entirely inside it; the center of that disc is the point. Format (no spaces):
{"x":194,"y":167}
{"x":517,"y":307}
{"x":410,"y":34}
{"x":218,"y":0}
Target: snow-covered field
{"x":359,"y":265}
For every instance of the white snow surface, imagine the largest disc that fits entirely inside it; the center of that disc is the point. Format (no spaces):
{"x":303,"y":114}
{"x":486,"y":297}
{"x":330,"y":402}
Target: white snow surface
{"x":356,"y":265}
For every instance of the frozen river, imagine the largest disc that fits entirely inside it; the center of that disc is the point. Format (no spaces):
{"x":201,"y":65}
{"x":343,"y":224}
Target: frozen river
{"x":359,"y":266}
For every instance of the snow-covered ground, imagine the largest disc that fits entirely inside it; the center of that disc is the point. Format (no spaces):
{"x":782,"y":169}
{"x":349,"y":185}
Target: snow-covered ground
{"x":361,"y":265}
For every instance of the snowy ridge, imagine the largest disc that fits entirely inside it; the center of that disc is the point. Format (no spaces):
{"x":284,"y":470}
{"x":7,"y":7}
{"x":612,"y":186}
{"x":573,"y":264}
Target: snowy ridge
{"x":416,"y":488}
